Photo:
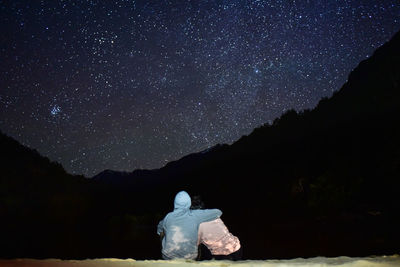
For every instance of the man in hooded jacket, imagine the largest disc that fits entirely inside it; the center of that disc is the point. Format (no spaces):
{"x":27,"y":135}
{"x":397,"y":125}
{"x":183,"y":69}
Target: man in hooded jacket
{"x":180,"y":228}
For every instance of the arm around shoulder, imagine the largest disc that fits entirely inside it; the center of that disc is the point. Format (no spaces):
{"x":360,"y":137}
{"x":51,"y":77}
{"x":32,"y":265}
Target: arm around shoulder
{"x":208,"y":215}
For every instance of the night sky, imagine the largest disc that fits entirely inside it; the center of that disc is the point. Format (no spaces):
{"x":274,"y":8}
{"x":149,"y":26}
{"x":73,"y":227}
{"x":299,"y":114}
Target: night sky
{"x":123,"y":85}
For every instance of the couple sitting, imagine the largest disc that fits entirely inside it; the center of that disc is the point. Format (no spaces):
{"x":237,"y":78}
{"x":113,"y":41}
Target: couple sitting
{"x":184,"y":229}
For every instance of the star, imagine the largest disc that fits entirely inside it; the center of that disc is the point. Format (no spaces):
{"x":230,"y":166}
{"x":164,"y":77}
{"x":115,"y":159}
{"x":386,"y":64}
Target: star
{"x":55,"y":110}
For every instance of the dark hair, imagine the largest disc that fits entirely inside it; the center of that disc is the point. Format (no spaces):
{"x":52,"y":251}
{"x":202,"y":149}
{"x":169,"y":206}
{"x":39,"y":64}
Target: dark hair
{"x":197,"y":203}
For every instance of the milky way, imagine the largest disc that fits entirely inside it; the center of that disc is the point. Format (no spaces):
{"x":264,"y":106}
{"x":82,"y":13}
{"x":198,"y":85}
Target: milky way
{"x":123,"y":85}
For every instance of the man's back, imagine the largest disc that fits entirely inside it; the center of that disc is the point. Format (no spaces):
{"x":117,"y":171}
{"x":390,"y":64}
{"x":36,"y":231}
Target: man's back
{"x":180,"y":228}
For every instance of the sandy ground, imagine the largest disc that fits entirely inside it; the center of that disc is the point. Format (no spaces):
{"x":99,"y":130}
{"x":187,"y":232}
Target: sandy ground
{"x":381,"y":261}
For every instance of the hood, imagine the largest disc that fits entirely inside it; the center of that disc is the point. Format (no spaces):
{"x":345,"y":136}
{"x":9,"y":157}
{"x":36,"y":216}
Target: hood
{"x":182,"y":200}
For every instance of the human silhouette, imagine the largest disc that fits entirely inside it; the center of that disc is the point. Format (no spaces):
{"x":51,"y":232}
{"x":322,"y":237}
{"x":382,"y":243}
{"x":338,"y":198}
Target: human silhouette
{"x":180,"y":228}
{"x":215,"y":236}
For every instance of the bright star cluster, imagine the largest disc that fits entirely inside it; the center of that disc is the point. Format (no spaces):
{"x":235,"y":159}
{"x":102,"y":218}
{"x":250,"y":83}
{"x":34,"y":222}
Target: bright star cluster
{"x":127,"y":84}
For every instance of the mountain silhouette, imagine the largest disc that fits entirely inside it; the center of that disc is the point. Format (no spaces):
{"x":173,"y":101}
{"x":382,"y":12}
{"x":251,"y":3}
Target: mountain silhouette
{"x":353,"y":127}
{"x":321,"y":182}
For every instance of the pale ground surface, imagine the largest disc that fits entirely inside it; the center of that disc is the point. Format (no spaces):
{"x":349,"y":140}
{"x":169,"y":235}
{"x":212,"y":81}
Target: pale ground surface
{"x":381,"y":261}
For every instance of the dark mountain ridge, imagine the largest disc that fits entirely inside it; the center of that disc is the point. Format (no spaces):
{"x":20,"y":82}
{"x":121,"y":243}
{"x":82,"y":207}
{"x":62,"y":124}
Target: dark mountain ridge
{"x":321,"y":182}
{"x":367,"y":101}
{"x":339,"y":161}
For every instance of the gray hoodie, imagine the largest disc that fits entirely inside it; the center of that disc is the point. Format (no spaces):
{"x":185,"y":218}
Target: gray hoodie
{"x":181,"y":226}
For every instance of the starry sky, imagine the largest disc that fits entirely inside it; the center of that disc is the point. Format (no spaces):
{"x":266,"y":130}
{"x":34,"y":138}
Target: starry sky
{"x":129,"y":84}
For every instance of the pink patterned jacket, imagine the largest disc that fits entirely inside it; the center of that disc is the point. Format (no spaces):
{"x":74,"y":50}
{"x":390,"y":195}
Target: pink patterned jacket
{"x":217,"y":238}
